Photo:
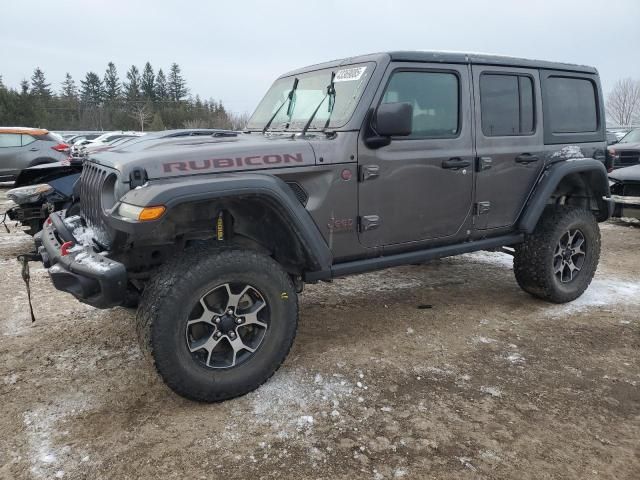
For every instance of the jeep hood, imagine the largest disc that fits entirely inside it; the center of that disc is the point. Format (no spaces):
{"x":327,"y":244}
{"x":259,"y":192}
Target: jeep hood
{"x":168,"y":158}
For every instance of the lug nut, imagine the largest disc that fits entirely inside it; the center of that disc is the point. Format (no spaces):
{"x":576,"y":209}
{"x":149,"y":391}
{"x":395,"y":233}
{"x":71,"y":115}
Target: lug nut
{"x":239,"y":320}
{"x":217,"y":319}
{"x":217,"y":335}
{"x":232,"y":334}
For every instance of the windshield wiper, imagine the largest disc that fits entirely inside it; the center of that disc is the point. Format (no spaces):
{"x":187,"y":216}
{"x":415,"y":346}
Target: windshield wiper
{"x":331,"y":93}
{"x":287,"y":101}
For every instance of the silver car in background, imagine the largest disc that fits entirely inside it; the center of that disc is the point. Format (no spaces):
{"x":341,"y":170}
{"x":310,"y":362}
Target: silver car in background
{"x":22,"y":147}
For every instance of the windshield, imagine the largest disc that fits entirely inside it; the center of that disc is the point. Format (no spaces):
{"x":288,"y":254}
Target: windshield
{"x":632,"y":137}
{"x":349,"y":84}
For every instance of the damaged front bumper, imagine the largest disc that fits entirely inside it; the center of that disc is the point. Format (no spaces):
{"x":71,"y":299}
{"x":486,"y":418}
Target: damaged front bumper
{"x":78,"y":269}
{"x":626,"y":206}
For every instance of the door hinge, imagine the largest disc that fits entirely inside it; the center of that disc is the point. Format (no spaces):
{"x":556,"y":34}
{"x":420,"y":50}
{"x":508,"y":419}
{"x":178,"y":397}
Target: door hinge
{"x":483,"y":163}
{"x":482,"y":208}
{"x":368,"y":172}
{"x":368,"y":222}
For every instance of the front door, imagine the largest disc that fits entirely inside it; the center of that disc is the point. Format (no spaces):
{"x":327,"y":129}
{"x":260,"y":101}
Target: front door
{"x":509,"y":142}
{"x":420,"y":187}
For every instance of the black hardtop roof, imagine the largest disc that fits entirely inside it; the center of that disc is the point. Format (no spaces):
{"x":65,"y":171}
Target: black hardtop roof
{"x":449,"y":57}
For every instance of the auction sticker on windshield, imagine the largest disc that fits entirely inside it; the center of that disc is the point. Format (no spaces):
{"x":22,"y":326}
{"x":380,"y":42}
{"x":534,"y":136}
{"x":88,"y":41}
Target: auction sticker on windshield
{"x":349,"y":74}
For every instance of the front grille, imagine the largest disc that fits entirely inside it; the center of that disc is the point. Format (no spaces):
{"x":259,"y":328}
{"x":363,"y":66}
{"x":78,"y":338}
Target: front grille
{"x":628,"y":157}
{"x":631,"y":190}
{"x":92,"y":195}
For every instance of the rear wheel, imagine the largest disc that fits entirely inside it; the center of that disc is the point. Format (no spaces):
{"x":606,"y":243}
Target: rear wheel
{"x":558,"y":261}
{"x":218,"y":323}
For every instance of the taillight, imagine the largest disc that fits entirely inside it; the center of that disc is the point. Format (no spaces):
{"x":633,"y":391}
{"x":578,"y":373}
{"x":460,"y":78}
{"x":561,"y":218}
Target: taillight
{"x":64,"y":249}
{"x":61,"y":147}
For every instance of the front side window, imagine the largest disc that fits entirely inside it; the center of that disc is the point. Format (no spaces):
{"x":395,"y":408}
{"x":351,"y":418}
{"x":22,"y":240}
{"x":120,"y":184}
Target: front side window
{"x":572,"y":105}
{"x":10,"y":140}
{"x":311,"y":91}
{"x":506,"y":105}
{"x":435,"y":99}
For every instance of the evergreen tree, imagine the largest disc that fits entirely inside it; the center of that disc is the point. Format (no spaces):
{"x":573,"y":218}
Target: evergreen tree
{"x":147,"y":82}
{"x":132,"y":86}
{"x":24,"y":88}
{"x":112,"y":86}
{"x":69,"y":89}
{"x":161,"y":88}
{"x":39,"y":85}
{"x":91,"y":90}
{"x":177,"y":84}
{"x":2,"y":87}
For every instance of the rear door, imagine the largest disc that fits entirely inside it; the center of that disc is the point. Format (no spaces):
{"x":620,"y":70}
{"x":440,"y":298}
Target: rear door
{"x":419,"y":187}
{"x":10,"y":148}
{"x":509,"y":142}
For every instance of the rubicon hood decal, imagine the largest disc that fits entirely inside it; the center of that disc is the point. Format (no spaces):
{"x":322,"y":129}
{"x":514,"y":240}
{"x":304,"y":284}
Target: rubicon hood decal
{"x":251,"y":161}
{"x":202,"y":157}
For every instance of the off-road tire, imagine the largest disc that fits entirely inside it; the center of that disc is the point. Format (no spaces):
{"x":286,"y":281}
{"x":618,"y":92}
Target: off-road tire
{"x":533,"y":260}
{"x":167,"y":301}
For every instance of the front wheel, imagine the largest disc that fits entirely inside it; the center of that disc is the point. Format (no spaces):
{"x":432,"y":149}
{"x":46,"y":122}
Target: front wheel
{"x":218,"y":323}
{"x":558,"y":261}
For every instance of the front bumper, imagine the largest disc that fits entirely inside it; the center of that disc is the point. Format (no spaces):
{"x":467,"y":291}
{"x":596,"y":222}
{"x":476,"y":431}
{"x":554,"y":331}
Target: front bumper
{"x":626,"y":206}
{"x":88,"y":275}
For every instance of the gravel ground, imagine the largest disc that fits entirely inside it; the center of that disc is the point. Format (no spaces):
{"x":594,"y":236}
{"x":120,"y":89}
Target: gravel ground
{"x":445,"y":370}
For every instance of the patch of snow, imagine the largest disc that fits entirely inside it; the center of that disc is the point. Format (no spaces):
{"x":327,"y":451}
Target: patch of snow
{"x":493,"y":258}
{"x":601,"y":293}
{"x":410,"y":330}
{"x":483,"y":340}
{"x":400,"y":472}
{"x":41,"y":429}
{"x":570,"y":152}
{"x":515,"y":358}
{"x":493,"y":391}
{"x":11,"y":379}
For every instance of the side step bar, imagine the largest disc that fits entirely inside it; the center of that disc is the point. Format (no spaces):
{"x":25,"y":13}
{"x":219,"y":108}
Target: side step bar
{"x":408,"y":258}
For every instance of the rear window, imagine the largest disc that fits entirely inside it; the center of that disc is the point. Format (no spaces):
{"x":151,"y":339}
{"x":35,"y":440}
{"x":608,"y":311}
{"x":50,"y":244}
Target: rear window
{"x":27,"y":139}
{"x":571,"y":105}
{"x":506,"y":105}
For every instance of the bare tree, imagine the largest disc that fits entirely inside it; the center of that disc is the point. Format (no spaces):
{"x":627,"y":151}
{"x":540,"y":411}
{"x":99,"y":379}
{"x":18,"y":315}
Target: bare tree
{"x":623,"y":103}
{"x":238,"y":120}
{"x":142,"y":114}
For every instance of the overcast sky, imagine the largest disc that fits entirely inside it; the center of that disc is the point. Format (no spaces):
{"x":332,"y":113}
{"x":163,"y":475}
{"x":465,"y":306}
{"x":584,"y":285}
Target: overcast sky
{"x":232,"y":50}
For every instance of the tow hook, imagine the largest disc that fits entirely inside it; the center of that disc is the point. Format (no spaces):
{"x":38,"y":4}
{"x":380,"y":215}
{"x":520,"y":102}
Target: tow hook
{"x":24,"y":259}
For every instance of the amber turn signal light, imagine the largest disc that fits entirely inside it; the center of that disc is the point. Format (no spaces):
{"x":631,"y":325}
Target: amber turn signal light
{"x":151,"y":213}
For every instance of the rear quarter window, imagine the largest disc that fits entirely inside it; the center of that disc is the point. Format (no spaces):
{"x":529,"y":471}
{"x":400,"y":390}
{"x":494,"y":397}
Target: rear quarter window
{"x":572,"y":107}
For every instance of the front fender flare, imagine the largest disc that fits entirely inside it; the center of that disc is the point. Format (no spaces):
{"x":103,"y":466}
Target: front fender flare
{"x":177,"y":191}
{"x":551,"y":178}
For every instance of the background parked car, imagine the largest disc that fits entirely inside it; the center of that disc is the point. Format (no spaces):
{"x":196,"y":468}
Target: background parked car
{"x":625,"y":191}
{"x":22,"y":147}
{"x":626,"y":152}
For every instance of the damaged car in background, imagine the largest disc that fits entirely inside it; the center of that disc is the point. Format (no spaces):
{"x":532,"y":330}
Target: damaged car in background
{"x":625,"y":191}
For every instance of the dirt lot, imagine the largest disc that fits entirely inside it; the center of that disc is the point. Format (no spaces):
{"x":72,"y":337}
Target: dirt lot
{"x":446,"y":370}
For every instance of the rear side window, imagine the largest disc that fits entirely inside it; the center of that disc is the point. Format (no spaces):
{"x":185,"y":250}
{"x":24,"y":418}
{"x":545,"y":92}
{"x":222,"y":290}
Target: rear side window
{"x":10,"y":140}
{"x":435,"y":100}
{"x":27,"y":139}
{"x":572,"y":105}
{"x":506,"y":105}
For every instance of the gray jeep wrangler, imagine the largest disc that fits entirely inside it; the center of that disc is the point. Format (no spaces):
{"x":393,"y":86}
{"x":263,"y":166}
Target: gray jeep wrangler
{"x":345,"y":167}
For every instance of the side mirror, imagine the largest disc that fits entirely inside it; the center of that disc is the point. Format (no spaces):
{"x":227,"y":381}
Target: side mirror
{"x":389,"y":120}
{"x":394,"y":119}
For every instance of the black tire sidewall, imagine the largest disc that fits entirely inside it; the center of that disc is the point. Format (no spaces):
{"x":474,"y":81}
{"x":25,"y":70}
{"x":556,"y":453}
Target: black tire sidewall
{"x":168,"y":340}
{"x":574,"y":288}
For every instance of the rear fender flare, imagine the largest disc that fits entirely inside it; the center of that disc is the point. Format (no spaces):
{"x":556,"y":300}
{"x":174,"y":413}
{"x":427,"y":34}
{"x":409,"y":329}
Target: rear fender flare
{"x":596,"y":176}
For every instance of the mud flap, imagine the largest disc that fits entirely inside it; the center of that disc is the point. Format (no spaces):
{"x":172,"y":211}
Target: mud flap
{"x":24,"y":259}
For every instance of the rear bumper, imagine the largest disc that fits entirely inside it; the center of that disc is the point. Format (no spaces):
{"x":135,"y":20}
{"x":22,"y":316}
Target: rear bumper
{"x":86,"y":274}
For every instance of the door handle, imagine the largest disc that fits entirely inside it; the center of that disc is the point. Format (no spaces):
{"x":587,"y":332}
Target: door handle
{"x":526,"y":158}
{"x":455,"y":163}
{"x":34,"y":149}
